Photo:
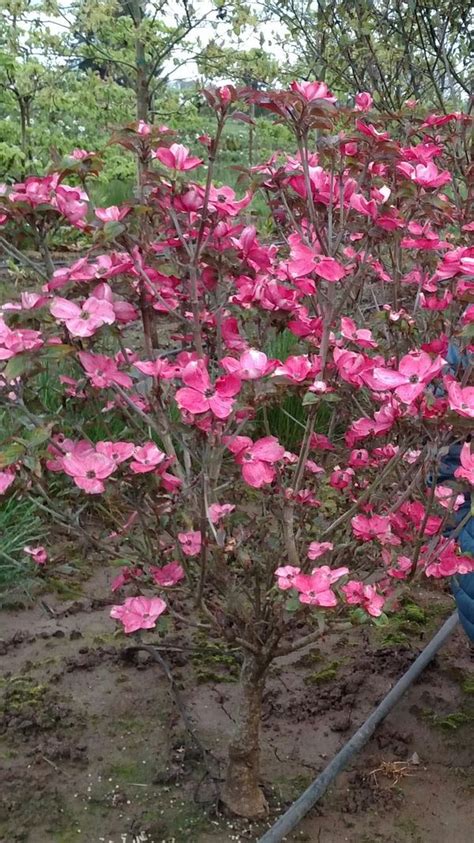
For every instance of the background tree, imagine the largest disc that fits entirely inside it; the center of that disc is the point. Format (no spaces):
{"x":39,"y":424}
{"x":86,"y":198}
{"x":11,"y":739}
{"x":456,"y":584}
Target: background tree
{"x":396,"y":50}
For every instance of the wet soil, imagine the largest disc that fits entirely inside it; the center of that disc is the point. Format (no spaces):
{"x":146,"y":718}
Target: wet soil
{"x":93,"y":747}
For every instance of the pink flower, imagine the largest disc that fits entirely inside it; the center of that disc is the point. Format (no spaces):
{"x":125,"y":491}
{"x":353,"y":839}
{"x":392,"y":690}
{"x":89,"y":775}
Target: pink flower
{"x":257,"y":458}
{"x":286,"y":576}
{"x":190,"y":542}
{"x":422,"y":153}
{"x":372,"y":527}
{"x":88,"y":470}
{"x":103,"y":371}
{"x":125,"y":576}
{"x":83,"y":321}
{"x":80,"y":154}
{"x":160,"y":368}
{"x":371,"y":132}
{"x":321,"y":442}
{"x":317,"y":549}
{"x":341,"y":478}
{"x":359,"y":458}
{"x":426,"y":175}
{"x":461,"y":399}
{"x":116,"y":451}
{"x":199,"y":396}
{"x":231,"y":335}
{"x":252,"y":364}
{"x":138,"y":613}
{"x":360,"y":336}
{"x":357,"y":593}
{"x":112,"y":214}
{"x":399,"y":569}
{"x":305,"y":260}
{"x":313,"y":91}
{"x":295,"y":368}
{"x":6,"y":479}
{"x":363,"y":101}
{"x":448,"y":498}
{"x":315,"y":588}
{"x":447,"y":561}
{"x":146,"y":458}
{"x":143,"y":128}
{"x":466,"y":469}
{"x":38,"y":554}
{"x":415,"y":370}
{"x":168,"y":575}
{"x":366,"y":207}
{"x":217,"y":511}
{"x":177,"y":157}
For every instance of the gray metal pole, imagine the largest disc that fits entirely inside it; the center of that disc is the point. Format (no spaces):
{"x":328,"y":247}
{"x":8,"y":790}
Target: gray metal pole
{"x":305,"y":802}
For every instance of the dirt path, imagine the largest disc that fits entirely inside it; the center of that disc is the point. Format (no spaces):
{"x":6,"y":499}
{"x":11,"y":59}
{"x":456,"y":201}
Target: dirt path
{"x":92,"y":748}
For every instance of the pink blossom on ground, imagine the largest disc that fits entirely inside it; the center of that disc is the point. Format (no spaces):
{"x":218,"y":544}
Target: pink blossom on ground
{"x":125,"y":576}
{"x":146,"y":458}
{"x":190,"y":542}
{"x":286,"y":576}
{"x":138,"y":613}
{"x":168,"y":575}
{"x":38,"y":554}
{"x":317,"y":549}
{"x":217,"y":511}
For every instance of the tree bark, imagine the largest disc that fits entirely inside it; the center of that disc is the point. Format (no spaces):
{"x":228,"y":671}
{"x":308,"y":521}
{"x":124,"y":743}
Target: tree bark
{"x":241,"y":793}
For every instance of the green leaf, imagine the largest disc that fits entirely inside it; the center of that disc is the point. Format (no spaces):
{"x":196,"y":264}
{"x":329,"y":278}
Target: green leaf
{"x":311,"y":398}
{"x":57,"y":352}
{"x":292,"y":604}
{"x":119,"y":563}
{"x":37,"y":436}
{"x":17,"y":366}
{"x":10,"y":454}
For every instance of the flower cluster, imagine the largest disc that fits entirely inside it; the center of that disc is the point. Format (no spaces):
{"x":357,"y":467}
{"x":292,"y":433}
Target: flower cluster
{"x":300,"y":367}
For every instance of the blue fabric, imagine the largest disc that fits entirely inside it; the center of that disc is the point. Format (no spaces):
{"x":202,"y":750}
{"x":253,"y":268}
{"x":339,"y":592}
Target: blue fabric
{"x":462,"y":585}
{"x":463,"y":590}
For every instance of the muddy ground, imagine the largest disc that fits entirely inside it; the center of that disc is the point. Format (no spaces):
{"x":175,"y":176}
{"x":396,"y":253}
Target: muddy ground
{"x":93,"y":748}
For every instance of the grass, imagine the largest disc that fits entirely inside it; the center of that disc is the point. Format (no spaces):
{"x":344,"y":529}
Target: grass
{"x":20,"y":524}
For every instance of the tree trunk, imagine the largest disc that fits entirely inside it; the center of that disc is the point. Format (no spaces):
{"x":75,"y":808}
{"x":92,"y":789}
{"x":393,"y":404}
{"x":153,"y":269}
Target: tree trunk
{"x":241,"y":792}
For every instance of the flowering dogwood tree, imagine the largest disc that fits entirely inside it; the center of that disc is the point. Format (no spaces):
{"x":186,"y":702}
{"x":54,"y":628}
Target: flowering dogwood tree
{"x":167,"y":322}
